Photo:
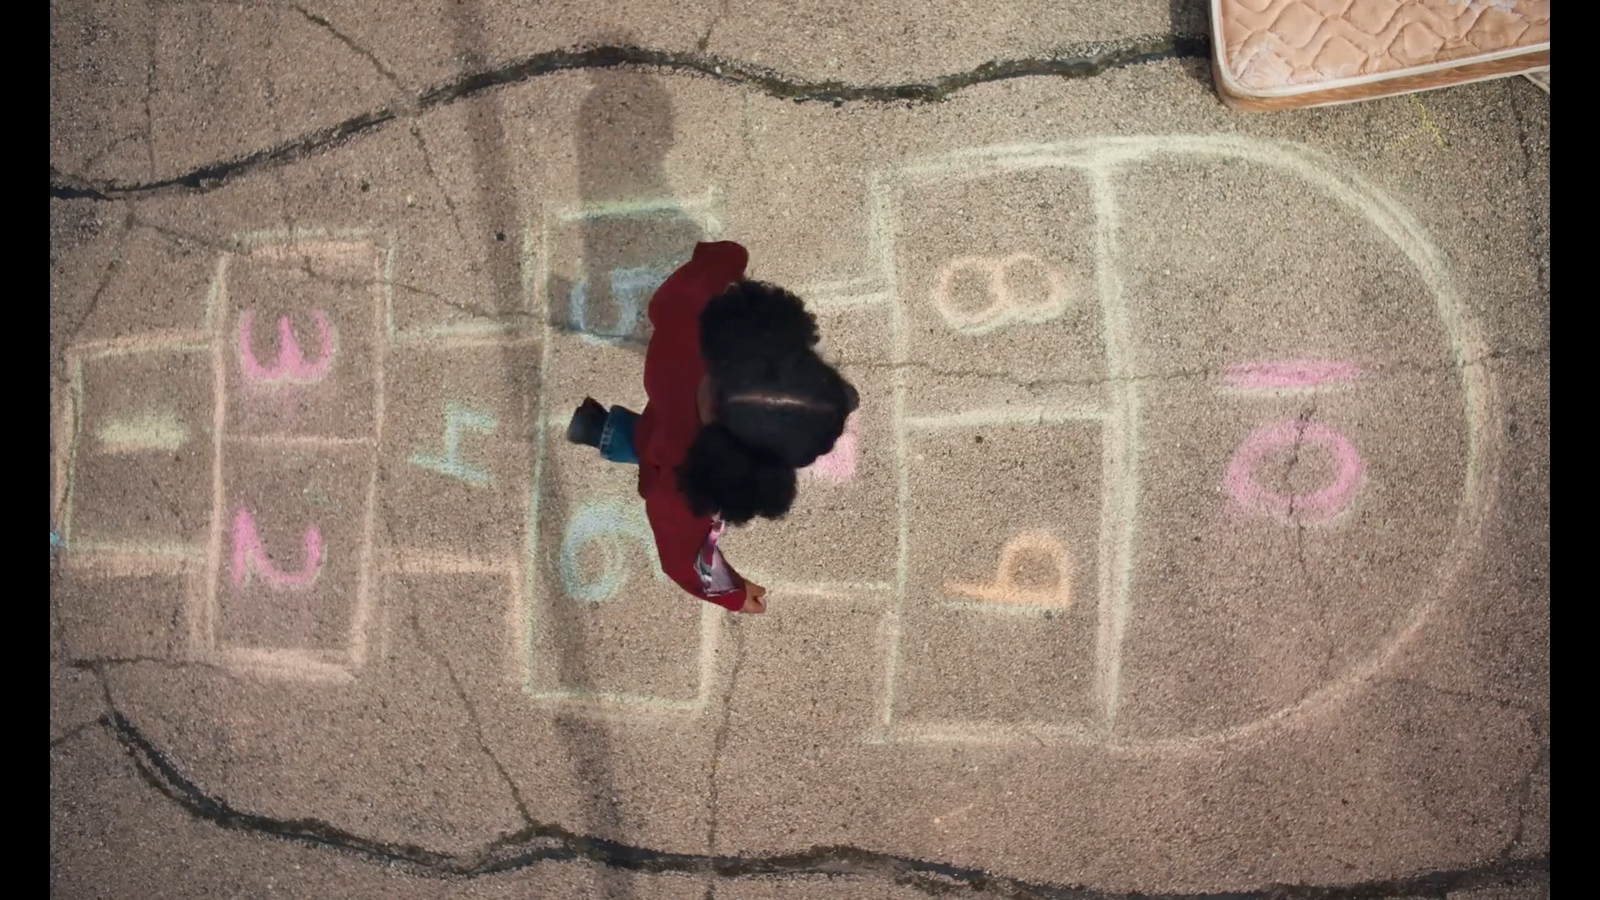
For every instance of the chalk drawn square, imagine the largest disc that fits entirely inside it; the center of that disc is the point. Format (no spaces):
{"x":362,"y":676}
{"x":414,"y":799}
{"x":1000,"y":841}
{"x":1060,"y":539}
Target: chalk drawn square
{"x":605,"y":260}
{"x":457,"y":448}
{"x":603,"y":622}
{"x":293,"y":572}
{"x":1299,"y":276}
{"x":1001,"y":612}
{"x":143,"y":428}
{"x":302,"y":338}
{"x":447,"y":286}
{"x":998,"y":270}
{"x":1238,"y":611}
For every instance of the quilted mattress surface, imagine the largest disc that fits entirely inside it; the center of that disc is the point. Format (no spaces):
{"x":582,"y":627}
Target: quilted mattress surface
{"x":1278,"y":48}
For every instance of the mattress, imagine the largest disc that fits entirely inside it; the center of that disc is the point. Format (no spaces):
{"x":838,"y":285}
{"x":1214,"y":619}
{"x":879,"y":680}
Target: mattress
{"x":1283,"y":54}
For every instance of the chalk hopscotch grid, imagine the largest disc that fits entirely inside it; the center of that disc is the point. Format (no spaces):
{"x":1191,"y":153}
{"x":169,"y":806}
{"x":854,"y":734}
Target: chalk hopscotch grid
{"x":530,"y":602}
{"x":1117,"y":418}
{"x":1102,"y":158}
{"x":200,"y":565}
{"x":291,"y":662}
{"x":1099,"y":156}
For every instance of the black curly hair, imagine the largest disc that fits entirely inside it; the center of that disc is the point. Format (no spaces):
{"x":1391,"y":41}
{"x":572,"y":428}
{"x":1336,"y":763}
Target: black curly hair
{"x":777,"y":405}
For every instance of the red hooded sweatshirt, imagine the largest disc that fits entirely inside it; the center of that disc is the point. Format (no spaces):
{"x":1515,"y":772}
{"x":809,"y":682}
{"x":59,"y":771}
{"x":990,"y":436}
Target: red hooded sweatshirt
{"x":672,"y":371}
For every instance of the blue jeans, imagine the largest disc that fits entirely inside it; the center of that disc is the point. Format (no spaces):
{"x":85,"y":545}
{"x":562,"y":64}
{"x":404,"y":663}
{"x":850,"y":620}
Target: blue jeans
{"x":616,"y":439}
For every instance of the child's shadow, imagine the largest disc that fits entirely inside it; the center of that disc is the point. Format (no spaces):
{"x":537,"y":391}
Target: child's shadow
{"x":632,"y":230}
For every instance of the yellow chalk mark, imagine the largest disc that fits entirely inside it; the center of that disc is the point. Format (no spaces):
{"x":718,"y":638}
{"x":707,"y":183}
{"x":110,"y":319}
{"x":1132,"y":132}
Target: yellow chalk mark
{"x":1427,"y":126}
{"x":1004,"y":588}
{"x":150,"y":430}
{"x":133,"y":559}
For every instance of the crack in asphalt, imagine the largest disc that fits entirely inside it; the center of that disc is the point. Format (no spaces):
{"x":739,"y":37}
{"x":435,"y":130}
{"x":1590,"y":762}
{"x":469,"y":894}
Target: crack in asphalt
{"x":705,"y":39}
{"x":149,"y":93}
{"x":471,"y":709}
{"x":1538,"y":721}
{"x":718,"y":742}
{"x":433,"y":175}
{"x":112,"y":265}
{"x":91,"y":161}
{"x":1078,"y":61}
{"x":1524,"y":796}
{"x":542,"y":842}
{"x":303,"y":266}
{"x":73,"y":732}
{"x":360,"y":50}
{"x":1032,"y":383}
{"x":1541,"y":270}
{"x":1323,"y":601}
{"x":96,"y":663}
{"x":440,"y":660}
{"x":1398,"y":367}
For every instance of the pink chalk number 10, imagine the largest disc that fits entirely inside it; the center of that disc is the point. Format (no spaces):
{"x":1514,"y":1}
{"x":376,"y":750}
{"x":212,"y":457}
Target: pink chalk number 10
{"x":1315,"y":507}
{"x":1241,"y":481}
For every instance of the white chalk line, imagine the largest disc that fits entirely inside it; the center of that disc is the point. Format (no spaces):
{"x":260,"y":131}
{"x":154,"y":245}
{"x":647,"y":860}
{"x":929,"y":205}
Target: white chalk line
{"x":135,"y":559}
{"x":601,"y":699}
{"x":881,"y":235}
{"x":1034,"y":415}
{"x":831,"y":590}
{"x":990,"y":608}
{"x":1120,"y":491}
{"x":203,"y":618}
{"x":530,"y":559}
{"x":278,"y":663}
{"x":626,"y":208}
{"x":299,"y":441}
{"x":381,"y":295}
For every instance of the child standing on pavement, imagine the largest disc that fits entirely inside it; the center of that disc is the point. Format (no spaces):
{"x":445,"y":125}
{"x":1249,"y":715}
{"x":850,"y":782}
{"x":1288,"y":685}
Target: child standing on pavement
{"x":738,"y":402}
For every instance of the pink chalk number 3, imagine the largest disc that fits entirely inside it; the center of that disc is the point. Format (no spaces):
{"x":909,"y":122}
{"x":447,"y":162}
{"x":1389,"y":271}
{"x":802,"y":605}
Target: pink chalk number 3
{"x":291,"y":366}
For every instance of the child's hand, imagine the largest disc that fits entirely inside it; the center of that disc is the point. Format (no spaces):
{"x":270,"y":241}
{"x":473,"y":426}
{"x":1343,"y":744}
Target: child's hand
{"x":752,"y":598}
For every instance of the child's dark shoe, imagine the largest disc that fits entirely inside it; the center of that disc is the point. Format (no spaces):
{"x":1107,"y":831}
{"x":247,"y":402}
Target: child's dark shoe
{"x":587,"y":423}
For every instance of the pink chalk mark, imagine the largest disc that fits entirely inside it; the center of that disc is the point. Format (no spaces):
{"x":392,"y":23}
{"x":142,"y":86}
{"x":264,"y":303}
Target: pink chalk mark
{"x":1298,"y":373}
{"x":249,"y":555}
{"x":291,"y":366}
{"x":1324,"y":504}
{"x":839,"y":464}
